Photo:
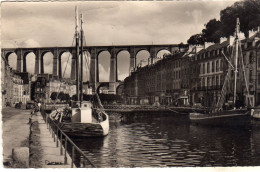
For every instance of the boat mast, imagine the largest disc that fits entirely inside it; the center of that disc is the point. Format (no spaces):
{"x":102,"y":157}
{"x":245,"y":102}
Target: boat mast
{"x":81,"y":59}
{"x":236,"y":60}
{"x":77,"y":52}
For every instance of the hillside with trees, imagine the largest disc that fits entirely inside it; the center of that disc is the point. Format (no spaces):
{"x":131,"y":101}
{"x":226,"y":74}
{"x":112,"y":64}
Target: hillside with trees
{"x":248,"y":12}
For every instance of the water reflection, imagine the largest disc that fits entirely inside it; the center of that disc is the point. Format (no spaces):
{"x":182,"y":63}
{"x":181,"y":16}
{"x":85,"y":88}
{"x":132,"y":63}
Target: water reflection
{"x":168,"y":140}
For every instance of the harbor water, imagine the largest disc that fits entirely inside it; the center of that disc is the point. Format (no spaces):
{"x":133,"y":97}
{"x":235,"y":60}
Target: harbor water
{"x":169,"y":140}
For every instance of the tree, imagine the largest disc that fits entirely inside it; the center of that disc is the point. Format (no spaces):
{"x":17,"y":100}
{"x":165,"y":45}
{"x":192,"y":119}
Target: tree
{"x":247,"y":11}
{"x":67,"y":97}
{"x":196,"y":39}
{"x":61,"y":96}
{"x":74,"y":98}
{"x":212,"y":31}
{"x":53,"y":95}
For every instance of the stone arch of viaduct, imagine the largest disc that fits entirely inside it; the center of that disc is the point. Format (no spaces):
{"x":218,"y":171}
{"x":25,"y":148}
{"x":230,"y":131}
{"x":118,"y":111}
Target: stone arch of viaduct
{"x":94,"y":52}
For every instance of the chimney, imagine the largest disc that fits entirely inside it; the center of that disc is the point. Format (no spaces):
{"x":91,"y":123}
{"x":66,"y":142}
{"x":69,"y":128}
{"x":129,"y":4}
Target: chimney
{"x":231,"y":40}
{"x":191,"y":48}
{"x":198,"y":48}
{"x":251,"y":33}
{"x":207,"y":44}
{"x":222,"y":39}
{"x":241,"y":35}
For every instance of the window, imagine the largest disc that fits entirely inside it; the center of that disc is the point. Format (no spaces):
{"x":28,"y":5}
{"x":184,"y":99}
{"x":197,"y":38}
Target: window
{"x":203,"y":68}
{"x":217,"y":66}
{"x":208,"y":67}
{"x":258,"y":62}
{"x":217,"y":79}
{"x":221,"y":64}
{"x":213,"y":66}
{"x":251,"y":76}
{"x":258,"y":78}
{"x":251,"y":57}
{"x":221,"y":80}
{"x":213,"y":81}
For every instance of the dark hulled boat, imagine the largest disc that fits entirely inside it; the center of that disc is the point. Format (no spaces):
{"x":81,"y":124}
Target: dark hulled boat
{"x":233,"y":115}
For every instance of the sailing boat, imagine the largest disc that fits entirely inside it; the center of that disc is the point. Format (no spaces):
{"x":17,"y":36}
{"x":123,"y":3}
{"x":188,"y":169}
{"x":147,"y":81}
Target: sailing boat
{"x":234,"y":115}
{"x":83,"y":118}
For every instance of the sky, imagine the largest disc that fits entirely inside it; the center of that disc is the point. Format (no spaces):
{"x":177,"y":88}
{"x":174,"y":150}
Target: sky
{"x":52,"y":24}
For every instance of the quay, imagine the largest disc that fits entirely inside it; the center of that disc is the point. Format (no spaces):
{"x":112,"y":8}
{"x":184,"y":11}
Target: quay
{"x":52,"y":144}
{"x":52,"y":156}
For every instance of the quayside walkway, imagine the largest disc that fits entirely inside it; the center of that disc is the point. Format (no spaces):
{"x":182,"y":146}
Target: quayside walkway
{"x":52,"y":157}
{"x":58,"y":145}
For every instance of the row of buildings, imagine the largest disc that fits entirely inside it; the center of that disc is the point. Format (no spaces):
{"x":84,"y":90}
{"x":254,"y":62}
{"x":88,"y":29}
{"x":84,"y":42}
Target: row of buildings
{"x":44,"y":85}
{"x":196,"y":75}
{"x":22,"y":87}
{"x":15,"y":86}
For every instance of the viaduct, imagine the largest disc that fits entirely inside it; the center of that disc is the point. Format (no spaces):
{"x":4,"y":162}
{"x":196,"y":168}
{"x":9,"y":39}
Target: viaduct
{"x":94,"y":52}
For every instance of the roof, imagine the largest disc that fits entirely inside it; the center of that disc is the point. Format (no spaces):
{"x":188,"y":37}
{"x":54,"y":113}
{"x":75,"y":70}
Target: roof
{"x":214,"y":47}
{"x":24,"y":76}
{"x":257,"y":34}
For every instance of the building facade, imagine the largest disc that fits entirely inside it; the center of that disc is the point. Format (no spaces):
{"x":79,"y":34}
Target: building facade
{"x":59,"y":86}
{"x":163,"y":82}
{"x":13,"y":86}
{"x":196,"y":77}
{"x":45,"y":85}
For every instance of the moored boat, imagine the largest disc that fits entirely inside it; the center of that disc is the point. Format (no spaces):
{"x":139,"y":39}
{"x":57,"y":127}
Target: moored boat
{"x":255,"y":113}
{"x":224,"y":111}
{"x":86,"y":121}
{"x":234,"y":117}
{"x":83,"y":118}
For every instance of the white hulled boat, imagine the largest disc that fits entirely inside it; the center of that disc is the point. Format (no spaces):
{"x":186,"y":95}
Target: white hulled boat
{"x":83,"y":118}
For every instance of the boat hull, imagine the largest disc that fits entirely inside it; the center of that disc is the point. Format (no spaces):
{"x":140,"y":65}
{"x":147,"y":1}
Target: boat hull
{"x":226,"y":118}
{"x":255,"y":114}
{"x":87,"y":129}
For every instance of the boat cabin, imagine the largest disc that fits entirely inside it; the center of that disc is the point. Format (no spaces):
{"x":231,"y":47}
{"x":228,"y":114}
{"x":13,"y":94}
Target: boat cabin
{"x":81,"y":114}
